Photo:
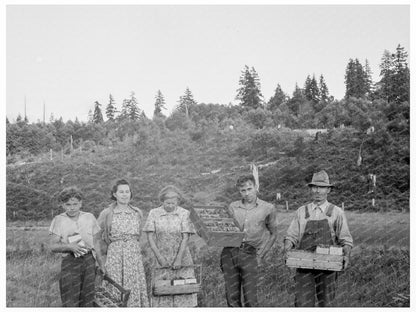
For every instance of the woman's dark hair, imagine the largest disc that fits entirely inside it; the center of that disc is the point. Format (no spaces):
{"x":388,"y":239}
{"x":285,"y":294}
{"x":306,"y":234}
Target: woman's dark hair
{"x":115,"y":188}
{"x":68,"y":193}
{"x":245,"y":178}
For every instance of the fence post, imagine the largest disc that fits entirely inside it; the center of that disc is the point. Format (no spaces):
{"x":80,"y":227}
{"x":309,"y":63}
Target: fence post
{"x":342,"y":205}
{"x":62,"y":154}
{"x":287,"y":206}
{"x":50,"y":154}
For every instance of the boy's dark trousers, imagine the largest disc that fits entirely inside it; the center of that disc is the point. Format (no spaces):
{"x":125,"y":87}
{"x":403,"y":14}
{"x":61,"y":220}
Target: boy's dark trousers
{"x":77,"y":281}
{"x":239,"y":266}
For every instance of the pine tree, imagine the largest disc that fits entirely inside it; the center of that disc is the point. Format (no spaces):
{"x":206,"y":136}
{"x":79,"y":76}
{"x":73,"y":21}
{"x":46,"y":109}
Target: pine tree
{"x":159,"y":104}
{"x":277,"y":99}
{"x":355,"y":80}
{"x":401,"y":76}
{"x":323,"y":90}
{"x":249,"y":92}
{"x":110,"y":111}
{"x":90,"y":116}
{"x":311,"y":90}
{"x":186,"y":102}
{"x":369,"y":87}
{"x":98,"y":115}
{"x":297,"y":100}
{"x":134,"y":110}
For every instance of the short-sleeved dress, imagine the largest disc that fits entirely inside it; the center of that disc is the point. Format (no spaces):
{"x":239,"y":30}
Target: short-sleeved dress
{"x":168,"y":228}
{"x":124,"y":258}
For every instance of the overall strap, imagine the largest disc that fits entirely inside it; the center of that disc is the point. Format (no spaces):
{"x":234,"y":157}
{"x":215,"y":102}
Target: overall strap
{"x":330,"y":210}
{"x":307,"y":215}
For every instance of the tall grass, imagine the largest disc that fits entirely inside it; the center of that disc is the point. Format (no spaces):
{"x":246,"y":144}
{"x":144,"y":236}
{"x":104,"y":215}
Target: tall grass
{"x":379,"y":272}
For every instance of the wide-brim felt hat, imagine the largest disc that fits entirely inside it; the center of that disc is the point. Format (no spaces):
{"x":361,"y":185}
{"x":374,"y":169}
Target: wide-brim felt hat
{"x":320,"y":178}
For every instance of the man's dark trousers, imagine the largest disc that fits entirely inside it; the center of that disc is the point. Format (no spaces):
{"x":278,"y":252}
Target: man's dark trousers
{"x":311,"y":282}
{"x":239,"y":266}
{"x":77,"y":281}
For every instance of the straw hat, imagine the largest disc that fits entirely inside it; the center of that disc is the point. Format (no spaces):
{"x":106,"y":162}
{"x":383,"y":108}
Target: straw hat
{"x":320,"y":179}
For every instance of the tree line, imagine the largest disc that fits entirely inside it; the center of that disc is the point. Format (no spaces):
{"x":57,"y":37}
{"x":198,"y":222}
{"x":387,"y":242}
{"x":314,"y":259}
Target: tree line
{"x":366,"y":103}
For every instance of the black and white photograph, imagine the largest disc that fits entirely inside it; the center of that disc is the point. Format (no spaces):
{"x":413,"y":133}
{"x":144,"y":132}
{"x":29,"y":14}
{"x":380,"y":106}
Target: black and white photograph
{"x":197,"y":154}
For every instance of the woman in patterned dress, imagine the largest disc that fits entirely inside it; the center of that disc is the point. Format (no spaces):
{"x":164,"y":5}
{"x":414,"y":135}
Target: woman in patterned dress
{"x":120,"y":253}
{"x":168,"y":228}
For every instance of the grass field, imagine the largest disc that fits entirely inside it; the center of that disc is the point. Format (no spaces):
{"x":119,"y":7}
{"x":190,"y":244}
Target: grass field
{"x":379,"y":274}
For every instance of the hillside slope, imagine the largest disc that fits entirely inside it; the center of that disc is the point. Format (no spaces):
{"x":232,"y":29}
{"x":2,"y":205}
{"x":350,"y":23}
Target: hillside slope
{"x":205,"y":167}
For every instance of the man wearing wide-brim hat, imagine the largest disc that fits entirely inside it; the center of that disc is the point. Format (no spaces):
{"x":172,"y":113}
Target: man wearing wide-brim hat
{"x":318,"y":223}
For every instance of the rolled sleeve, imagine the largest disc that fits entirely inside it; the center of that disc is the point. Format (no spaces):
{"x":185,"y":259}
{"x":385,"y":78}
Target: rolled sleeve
{"x":55,"y":227}
{"x":272,"y":221}
{"x":342,"y":231}
{"x":293,"y":231}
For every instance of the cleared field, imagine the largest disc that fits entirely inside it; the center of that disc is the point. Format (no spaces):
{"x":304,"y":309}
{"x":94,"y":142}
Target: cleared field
{"x":379,"y":273}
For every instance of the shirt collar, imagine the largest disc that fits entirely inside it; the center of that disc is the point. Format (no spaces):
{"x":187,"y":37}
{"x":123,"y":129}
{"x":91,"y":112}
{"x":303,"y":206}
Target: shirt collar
{"x":241,"y":204}
{"x":323,"y":206}
{"x":167,"y":213}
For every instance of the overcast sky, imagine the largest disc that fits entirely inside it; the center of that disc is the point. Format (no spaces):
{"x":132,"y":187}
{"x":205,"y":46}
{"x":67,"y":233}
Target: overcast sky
{"x":68,"y":57}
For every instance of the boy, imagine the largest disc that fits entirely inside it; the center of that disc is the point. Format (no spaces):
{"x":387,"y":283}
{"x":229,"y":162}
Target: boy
{"x":72,"y":235}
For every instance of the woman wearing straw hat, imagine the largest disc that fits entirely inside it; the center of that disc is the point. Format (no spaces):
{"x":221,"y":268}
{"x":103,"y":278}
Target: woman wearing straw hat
{"x":318,"y":223}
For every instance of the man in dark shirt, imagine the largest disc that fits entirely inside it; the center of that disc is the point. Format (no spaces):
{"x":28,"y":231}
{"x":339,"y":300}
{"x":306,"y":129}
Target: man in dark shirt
{"x":257,"y":219}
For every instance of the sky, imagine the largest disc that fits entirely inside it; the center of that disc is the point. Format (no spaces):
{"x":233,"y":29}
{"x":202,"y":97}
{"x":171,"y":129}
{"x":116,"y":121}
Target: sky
{"x":67,"y":57}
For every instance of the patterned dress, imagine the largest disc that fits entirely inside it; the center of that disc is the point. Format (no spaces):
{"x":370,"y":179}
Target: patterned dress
{"x":124,"y":259}
{"x":168,"y":228}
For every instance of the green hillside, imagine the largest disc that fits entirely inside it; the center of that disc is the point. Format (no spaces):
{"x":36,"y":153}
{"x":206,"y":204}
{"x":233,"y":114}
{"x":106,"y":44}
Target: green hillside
{"x":205,"y":162}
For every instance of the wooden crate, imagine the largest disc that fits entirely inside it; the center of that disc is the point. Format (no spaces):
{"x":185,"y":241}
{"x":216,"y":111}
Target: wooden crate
{"x":168,"y":287}
{"x":216,"y":226}
{"x":104,"y":299}
{"x":311,"y":260}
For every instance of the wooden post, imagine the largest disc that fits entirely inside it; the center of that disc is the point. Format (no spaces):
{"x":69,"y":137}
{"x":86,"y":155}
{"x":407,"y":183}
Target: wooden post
{"x":373,"y":202}
{"x":50,"y":154}
{"x":62,"y":154}
{"x":342,"y":205}
{"x":52,"y":213}
{"x":14,"y":214}
{"x":287,"y":206}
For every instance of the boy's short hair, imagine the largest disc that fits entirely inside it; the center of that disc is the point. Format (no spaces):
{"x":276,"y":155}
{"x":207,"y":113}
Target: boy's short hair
{"x":245,"y":178}
{"x":68,"y":193}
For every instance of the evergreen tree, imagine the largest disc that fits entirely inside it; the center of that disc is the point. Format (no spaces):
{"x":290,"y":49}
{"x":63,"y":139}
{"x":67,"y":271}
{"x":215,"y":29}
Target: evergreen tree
{"x":369,"y":88}
{"x":355,"y":80}
{"x":134,"y":110}
{"x":110,"y":111}
{"x":98,"y":115}
{"x":124,"y":114}
{"x":90,"y":116}
{"x":297,"y":100}
{"x":249,"y":92}
{"x":401,"y":76}
{"x":186,"y":102}
{"x":159,"y":104}
{"x":277,"y":99}
{"x":323,"y":90}
{"x":311,"y":90}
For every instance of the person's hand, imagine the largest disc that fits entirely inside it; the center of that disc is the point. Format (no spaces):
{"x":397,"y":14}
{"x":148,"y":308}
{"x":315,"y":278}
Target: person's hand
{"x":346,"y":262}
{"x":163,"y":262}
{"x":346,"y":251}
{"x":287,"y":246}
{"x":103,"y":270}
{"x":77,"y":249}
{"x":176,"y":264}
